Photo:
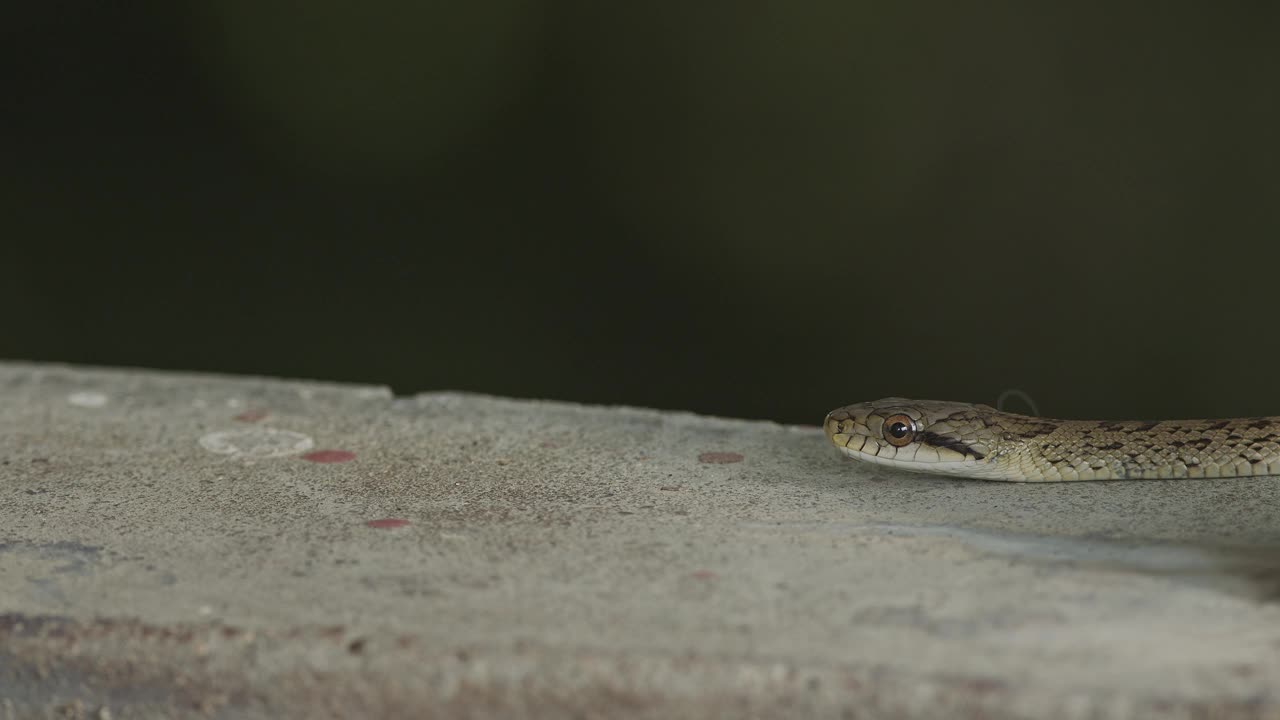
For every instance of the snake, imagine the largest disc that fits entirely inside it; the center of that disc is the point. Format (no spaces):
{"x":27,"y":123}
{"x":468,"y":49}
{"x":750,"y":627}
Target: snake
{"x":980,"y":442}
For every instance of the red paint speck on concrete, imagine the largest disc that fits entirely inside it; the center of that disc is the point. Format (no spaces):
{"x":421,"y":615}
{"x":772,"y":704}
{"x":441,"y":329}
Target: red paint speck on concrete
{"x":704,"y":575}
{"x":329,"y":456}
{"x":251,"y":415}
{"x":720,"y":458}
{"x":386,"y":523}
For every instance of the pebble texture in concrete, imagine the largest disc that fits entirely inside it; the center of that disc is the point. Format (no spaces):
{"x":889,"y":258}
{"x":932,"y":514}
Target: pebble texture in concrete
{"x":187,"y":545}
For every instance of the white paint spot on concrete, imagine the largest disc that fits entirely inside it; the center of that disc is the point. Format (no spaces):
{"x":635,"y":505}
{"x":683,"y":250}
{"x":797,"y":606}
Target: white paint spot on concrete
{"x":88,"y":399}
{"x":257,"y":442}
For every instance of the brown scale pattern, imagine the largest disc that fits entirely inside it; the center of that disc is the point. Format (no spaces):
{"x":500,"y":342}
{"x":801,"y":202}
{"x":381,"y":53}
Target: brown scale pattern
{"x":978,"y":441}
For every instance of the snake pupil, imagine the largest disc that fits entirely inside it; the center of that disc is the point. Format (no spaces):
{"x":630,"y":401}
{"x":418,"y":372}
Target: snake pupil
{"x":899,"y":430}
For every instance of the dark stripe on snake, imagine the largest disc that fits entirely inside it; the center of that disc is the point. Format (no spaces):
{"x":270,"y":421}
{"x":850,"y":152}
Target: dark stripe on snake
{"x":941,"y":441}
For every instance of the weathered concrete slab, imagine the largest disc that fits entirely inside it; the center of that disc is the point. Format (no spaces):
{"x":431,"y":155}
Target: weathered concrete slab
{"x":187,"y":545}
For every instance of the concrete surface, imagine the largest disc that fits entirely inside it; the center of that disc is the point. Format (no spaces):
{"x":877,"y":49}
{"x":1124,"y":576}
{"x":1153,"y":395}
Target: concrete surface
{"x":195,"y":546}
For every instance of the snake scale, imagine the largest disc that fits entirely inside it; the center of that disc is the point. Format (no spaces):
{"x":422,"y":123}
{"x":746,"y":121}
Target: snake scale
{"x":978,"y":441}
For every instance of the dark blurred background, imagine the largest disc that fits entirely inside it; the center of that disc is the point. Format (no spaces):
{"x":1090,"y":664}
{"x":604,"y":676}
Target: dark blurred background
{"x":751,"y":209}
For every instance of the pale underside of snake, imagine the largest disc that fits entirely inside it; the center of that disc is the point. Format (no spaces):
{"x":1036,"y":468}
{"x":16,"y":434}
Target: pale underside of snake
{"x":980,"y":442}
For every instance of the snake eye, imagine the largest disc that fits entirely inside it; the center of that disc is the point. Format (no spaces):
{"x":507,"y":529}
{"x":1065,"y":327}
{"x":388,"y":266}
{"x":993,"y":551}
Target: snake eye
{"x":899,"y":430}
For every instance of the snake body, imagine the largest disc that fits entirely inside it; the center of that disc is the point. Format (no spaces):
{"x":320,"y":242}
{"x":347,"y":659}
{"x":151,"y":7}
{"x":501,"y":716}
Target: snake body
{"x":977,"y":441}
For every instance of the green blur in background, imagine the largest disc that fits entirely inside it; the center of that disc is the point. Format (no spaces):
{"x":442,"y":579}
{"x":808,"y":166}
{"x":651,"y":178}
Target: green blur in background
{"x":757,"y":210}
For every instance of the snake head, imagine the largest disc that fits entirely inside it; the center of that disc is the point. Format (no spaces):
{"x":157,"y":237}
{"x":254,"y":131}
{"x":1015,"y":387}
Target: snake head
{"x":921,"y":435}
